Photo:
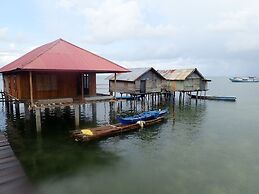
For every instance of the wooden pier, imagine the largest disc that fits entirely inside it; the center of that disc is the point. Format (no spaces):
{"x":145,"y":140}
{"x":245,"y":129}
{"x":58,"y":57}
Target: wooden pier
{"x":12,"y":177}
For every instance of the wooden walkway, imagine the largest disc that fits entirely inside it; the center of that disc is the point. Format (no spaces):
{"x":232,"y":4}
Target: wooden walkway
{"x":12,"y":177}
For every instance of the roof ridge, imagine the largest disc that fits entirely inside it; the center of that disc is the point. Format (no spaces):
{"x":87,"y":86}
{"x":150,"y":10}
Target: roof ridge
{"x":146,"y":70}
{"x":92,"y":53}
{"x":57,"y":41}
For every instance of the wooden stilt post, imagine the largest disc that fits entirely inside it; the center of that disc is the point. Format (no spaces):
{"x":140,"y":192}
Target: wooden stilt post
{"x":11,"y":106}
{"x":180,"y":96}
{"x":115,"y":84}
{"x":38,"y":119}
{"x":26,"y":111}
{"x":82,"y":87}
{"x":77,"y":115}
{"x":131,"y":103}
{"x":17,"y":109}
{"x":31,"y":89}
{"x":94,"y":113}
{"x":197,"y":93}
{"x":46,"y":111}
{"x":58,"y":112}
{"x":120,"y":106}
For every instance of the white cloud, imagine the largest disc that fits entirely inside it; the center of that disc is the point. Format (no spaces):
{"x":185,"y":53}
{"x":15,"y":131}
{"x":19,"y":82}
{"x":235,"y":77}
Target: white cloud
{"x":7,"y":57}
{"x":239,"y":21}
{"x":3,"y":33}
{"x":211,"y":35}
{"x":243,"y":42}
{"x":116,"y":20}
{"x":242,"y":29}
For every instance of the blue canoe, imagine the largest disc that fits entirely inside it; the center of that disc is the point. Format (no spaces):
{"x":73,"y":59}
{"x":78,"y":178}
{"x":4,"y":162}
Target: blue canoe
{"x":145,"y":116}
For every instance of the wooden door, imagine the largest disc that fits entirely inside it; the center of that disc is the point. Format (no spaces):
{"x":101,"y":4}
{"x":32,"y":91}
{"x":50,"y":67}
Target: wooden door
{"x":142,"y":86}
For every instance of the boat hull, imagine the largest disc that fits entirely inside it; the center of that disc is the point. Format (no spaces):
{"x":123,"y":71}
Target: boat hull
{"x":110,"y":130}
{"x":244,"y":80}
{"x":141,"y":117}
{"x":219,"y":98}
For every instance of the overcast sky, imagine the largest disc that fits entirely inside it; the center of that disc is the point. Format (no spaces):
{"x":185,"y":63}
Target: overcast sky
{"x":218,"y":37}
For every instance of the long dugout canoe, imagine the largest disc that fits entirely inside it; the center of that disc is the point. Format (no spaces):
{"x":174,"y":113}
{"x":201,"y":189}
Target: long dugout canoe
{"x":220,"y":98}
{"x":85,"y":135}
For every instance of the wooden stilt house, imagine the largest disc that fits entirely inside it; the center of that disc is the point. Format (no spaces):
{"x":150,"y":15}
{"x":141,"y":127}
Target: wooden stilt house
{"x":184,"y":80}
{"x":137,"y":81}
{"x":57,"y":70}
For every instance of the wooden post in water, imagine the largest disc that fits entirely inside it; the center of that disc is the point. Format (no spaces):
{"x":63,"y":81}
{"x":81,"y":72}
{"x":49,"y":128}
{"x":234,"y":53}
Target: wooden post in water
{"x":82,"y":87}
{"x":11,"y":106}
{"x":38,"y":119}
{"x":136,"y":101}
{"x":17,"y":109}
{"x":31,"y":89}
{"x":131,"y":103}
{"x":77,"y":115}
{"x":58,"y":112}
{"x":94,"y":113}
{"x":115,"y":84}
{"x":26,"y":111}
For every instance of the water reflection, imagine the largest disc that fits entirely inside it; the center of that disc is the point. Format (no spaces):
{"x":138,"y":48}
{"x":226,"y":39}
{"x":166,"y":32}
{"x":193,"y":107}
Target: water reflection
{"x":51,"y":154}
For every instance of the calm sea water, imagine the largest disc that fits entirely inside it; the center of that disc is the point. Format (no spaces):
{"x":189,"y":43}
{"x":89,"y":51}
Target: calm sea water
{"x":204,"y":148}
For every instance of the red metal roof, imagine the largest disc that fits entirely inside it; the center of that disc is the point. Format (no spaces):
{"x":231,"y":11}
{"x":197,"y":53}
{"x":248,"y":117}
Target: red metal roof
{"x":61,"y":55}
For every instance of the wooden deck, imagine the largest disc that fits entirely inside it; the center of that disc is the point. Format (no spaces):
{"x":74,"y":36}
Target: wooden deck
{"x":12,"y":177}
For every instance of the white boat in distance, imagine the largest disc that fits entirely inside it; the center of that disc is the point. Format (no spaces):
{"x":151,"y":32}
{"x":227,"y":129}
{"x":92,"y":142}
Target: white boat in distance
{"x":244,"y":79}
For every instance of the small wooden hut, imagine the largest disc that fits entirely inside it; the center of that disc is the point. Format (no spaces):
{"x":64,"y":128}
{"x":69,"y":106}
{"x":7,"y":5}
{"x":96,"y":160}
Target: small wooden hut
{"x":137,"y":81}
{"x":184,"y":80}
{"x":57,"y":70}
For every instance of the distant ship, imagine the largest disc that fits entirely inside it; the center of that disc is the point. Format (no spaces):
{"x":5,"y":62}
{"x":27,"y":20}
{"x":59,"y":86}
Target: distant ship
{"x":244,"y":79}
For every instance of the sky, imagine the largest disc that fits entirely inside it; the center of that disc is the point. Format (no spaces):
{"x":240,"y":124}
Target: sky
{"x":217,"y":37}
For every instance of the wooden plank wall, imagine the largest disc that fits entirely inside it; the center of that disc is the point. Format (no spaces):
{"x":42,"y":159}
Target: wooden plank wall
{"x":11,"y":84}
{"x":154,"y":83}
{"x":61,"y":85}
{"x":92,"y":84}
{"x":122,"y":87}
{"x":187,"y":85}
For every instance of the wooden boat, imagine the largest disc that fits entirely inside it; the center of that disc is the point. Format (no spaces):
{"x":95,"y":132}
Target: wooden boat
{"x":220,"y":98}
{"x":86,"y":135}
{"x":244,"y":79}
{"x":145,"y":116}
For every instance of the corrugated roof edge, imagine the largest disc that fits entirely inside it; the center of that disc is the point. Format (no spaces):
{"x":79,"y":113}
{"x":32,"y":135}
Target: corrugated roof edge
{"x":193,"y":70}
{"x":111,"y":77}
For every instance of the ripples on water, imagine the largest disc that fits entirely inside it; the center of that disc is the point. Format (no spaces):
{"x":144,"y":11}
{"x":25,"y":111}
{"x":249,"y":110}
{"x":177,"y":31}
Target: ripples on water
{"x":208,"y":147}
